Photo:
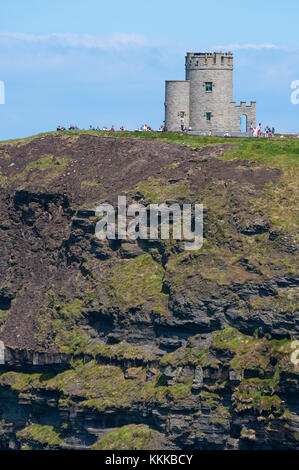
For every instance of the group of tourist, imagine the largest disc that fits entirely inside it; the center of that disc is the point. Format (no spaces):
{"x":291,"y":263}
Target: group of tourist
{"x":91,"y":128}
{"x":104,"y":128}
{"x":144,"y":128}
{"x":257,"y":131}
{"x":253,"y":131}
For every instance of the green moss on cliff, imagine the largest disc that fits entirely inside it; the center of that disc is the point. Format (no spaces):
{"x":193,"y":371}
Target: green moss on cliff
{"x":4,"y":316}
{"x":90,"y":184}
{"x":123,"y":351}
{"x":186,"y":355}
{"x":3,"y":181}
{"x":258,"y":395}
{"x":280,"y":201}
{"x":103,"y":387}
{"x":286,"y":301}
{"x":242,"y":353}
{"x":21,"y":382}
{"x":45,"y":168}
{"x":158,"y":191}
{"x":41,"y":434}
{"x":62,"y":320}
{"x":136,"y":281}
{"x":131,"y":437}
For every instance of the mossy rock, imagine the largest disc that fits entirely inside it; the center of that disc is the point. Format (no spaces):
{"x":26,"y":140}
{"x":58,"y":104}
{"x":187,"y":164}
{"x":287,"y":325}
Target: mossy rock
{"x":45,"y":435}
{"x":132,"y":437}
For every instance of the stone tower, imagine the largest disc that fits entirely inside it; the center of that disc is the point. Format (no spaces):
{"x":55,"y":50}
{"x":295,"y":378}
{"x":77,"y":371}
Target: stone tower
{"x":204,"y":101}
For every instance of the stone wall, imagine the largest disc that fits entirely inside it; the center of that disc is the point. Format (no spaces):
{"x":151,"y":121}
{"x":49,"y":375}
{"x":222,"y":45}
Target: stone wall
{"x":177,"y":98}
{"x":243,"y":109}
{"x":217,"y":102}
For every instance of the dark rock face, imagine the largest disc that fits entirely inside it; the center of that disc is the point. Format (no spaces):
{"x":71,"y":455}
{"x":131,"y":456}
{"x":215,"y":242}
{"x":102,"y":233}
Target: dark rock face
{"x":191,"y":350}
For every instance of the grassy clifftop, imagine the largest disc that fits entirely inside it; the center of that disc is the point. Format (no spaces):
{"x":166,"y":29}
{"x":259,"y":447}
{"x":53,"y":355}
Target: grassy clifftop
{"x":161,"y":345}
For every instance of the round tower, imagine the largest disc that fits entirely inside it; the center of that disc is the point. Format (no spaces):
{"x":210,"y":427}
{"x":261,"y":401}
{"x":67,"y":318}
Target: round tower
{"x":211,"y":90}
{"x":177,"y":97}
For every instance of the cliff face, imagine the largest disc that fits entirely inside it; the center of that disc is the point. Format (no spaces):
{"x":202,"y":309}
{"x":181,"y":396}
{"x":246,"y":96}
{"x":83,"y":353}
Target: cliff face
{"x":121,"y":344}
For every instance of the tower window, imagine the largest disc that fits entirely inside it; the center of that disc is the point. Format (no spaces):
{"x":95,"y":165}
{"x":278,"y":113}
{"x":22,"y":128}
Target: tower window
{"x":209,"y":86}
{"x":208,"y":116}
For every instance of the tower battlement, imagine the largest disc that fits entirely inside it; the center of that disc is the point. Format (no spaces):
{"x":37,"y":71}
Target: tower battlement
{"x":243,"y":104}
{"x":209,"y":60}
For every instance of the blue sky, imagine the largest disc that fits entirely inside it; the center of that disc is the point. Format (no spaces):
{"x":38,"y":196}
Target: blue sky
{"x":102,"y":63}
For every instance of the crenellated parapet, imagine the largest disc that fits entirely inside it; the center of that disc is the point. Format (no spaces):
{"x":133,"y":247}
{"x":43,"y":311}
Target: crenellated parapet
{"x":243,"y":104}
{"x":206,"y":60}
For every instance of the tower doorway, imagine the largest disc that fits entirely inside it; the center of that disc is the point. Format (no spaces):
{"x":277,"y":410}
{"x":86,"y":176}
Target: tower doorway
{"x":243,"y":123}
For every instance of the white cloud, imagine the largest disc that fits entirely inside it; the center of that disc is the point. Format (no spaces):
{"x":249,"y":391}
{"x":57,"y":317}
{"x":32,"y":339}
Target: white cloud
{"x":231,"y":47}
{"x":72,"y":40}
{"x":117,"y":40}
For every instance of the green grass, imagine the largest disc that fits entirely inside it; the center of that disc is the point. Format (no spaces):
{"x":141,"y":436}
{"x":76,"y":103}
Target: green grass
{"x":250,"y":353}
{"x":89,"y":184}
{"x":130,"y":437}
{"x":56,"y":165}
{"x":259,"y":395}
{"x":158,"y":191}
{"x":186,"y":356}
{"x":172,"y":137}
{"x":136,"y":281}
{"x":21,"y":382}
{"x":243,"y":352}
{"x":274,"y":153}
{"x":4,"y":316}
{"x":43,"y":434}
{"x":104,"y":387}
{"x":3,"y":181}
{"x":271,"y":152}
{"x":121,"y":351}
{"x":229,"y":338}
{"x":43,"y":163}
{"x":280,"y":200}
{"x":62,"y":320}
